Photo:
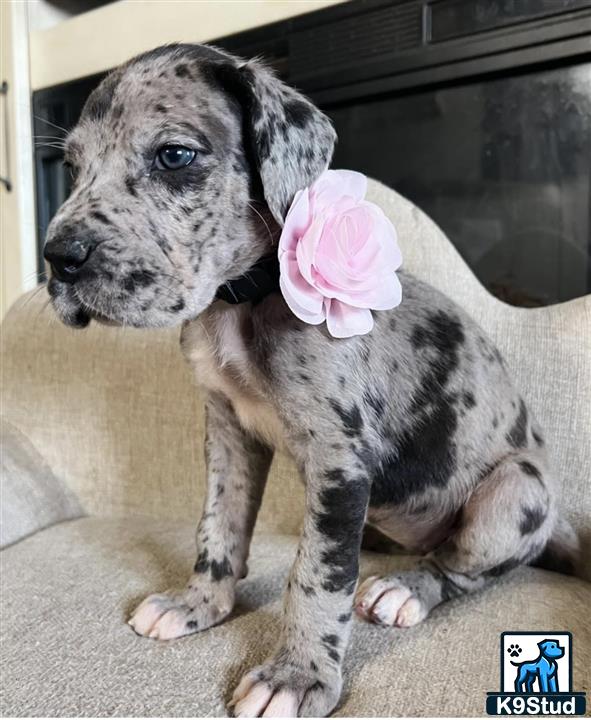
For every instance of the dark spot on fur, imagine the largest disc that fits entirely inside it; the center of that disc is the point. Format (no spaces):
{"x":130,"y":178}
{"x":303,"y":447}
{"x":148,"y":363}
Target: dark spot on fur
{"x":341,"y":519}
{"x":220,"y":570}
{"x":297,"y":113}
{"x":182,"y":71}
{"x":318,"y":685}
{"x":130,"y":186}
{"x":313,"y":666}
{"x":344,"y":618}
{"x":449,"y":590}
{"x":517,"y":436}
{"x":530,"y":469}
{"x":538,"y":438}
{"x":532,"y":520}
{"x":351,"y":419}
{"x":101,"y":217}
{"x":202,"y":563}
{"x":408,"y":469}
{"x":375,"y":400}
{"x":469,"y":399}
{"x":138,"y":278}
{"x":178,"y":306}
{"x":160,"y":108}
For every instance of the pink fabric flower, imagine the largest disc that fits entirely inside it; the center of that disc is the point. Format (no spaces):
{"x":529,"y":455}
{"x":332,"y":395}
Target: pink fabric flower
{"x":338,"y":255}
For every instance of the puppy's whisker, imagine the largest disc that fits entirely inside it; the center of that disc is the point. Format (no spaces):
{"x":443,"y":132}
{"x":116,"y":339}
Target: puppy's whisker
{"x":36,"y":275}
{"x":57,"y":127}
{"x":252,"y":207}
{"x":33,"y":295}
{"x":229,"y":287}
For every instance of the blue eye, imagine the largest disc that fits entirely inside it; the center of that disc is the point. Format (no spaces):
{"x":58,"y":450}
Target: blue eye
{"x":174,"y":157}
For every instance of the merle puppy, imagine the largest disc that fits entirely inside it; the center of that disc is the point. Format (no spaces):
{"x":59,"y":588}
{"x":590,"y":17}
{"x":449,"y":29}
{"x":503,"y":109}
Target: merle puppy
{"x":185,"y":162}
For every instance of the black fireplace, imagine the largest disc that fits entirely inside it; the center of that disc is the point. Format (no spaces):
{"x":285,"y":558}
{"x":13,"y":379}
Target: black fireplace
{"x":479,"y":111}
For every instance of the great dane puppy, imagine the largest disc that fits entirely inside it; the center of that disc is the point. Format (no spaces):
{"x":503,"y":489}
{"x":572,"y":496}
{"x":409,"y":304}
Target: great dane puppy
{"x":185,"y":162}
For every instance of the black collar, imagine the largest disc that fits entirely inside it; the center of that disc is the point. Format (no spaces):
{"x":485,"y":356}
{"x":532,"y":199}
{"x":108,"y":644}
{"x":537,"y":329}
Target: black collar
{"x":261,"y":280}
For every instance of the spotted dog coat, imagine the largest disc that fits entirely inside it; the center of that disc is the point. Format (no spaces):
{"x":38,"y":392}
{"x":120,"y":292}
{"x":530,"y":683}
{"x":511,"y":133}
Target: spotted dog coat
{"x":415,"y":429}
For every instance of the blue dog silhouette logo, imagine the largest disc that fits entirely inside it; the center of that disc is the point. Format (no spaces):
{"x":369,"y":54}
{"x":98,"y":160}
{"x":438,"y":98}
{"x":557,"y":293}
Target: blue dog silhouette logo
{"x":544,"y":669}
{"x":536,"y":676}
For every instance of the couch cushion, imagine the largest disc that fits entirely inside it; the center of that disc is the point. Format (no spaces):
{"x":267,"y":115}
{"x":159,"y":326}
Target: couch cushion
{"x":32,"y":496}
{"x":66,"y":649}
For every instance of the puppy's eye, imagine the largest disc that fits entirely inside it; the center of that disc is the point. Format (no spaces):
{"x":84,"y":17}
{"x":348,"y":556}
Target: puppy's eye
{"x":174,"y":157}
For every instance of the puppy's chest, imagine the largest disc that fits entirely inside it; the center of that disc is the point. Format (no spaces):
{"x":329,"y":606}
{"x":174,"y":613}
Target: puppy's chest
{"x":217,"y":351}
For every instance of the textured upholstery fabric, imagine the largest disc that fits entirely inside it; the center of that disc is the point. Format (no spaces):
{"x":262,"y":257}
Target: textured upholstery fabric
{"x":32,"y":497}
{"x":67,"y":651}
{"x":113,"y":415}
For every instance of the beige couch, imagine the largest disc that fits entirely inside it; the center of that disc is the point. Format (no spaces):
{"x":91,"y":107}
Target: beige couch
{"x":102,"y":481}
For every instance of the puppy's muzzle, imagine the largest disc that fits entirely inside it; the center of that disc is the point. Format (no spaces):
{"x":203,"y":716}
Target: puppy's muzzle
{"x":68,"y":253}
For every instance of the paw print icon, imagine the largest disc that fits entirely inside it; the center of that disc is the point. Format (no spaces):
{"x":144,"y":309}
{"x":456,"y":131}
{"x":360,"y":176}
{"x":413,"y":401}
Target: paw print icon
{"x":514,"y":650}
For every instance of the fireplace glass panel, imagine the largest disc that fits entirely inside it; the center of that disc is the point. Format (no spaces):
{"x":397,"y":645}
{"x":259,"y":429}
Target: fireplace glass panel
{"x":503,"y":165}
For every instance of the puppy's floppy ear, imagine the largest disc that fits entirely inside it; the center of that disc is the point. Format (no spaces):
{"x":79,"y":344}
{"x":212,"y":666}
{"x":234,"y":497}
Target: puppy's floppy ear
{"x":291,"y":141}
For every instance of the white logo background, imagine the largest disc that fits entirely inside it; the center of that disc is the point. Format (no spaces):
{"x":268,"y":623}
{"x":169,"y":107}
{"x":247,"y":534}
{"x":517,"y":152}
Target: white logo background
{"x":530,"y":652}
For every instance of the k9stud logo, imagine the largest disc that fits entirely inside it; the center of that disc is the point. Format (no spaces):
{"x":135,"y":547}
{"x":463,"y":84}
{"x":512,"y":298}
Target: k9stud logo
{"x":536,"y":676}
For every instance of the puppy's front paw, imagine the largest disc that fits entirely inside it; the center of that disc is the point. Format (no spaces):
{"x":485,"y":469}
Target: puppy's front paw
{"x":283,"y":688}
{"x":389,"y":601}
{"x":173,"y":614}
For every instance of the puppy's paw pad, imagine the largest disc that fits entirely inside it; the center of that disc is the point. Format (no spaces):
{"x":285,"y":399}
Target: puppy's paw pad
{"x":386,"y":601}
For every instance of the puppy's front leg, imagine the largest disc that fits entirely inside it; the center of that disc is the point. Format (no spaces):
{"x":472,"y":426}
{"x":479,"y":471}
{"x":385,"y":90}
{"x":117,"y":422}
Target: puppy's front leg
{"x":303,"y":676}
{"x":237,"y":468}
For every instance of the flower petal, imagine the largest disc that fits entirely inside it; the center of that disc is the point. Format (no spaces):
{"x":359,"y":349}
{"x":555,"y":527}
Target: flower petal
{"x":387,"y":294}
{"x":305,"y":315}
{"x":307,"y":246}
{"x":294,"y":285}
{"x":297,"y":220}
{"x":332,"y":185}
{"x":344,"y":321}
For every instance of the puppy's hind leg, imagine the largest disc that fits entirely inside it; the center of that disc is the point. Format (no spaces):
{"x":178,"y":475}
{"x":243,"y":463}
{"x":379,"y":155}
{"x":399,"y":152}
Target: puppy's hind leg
{"x":506,"y":522}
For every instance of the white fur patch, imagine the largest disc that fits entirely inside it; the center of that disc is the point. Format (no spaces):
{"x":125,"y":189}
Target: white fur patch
{"x":215,"y":347}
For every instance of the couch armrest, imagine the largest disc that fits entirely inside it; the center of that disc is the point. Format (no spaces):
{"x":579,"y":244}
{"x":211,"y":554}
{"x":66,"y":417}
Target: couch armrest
{"x":32,"y":497}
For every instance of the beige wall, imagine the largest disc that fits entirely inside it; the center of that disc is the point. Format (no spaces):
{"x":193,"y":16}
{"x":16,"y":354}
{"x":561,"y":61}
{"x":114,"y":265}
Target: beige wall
{"x":100,"y":39}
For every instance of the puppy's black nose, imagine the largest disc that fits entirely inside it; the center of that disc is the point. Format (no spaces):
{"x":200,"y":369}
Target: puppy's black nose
{"x":67,"y":254}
